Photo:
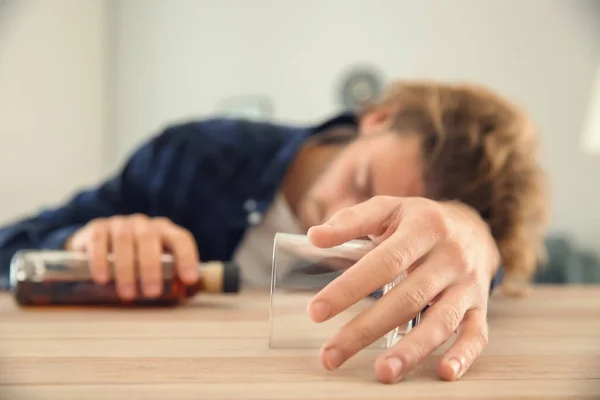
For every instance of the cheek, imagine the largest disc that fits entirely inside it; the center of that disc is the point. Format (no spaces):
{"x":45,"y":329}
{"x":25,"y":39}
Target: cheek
{"x":332,"y":183}
{"x":397,"y":168}
{"x":413,"y":183}
{"x":409,"y":183}
{"x":417,"y":187}
{"x":404,"y":184}
{"x":332,"y":191}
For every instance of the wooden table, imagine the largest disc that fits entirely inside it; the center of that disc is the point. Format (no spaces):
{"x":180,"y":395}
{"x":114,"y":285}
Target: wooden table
{"x":543,"y":347}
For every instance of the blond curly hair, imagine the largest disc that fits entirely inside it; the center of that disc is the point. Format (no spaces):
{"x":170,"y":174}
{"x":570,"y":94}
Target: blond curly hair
{"x":481,"y":149}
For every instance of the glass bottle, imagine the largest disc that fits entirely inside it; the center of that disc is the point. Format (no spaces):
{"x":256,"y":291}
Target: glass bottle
{"x":50,"y":277}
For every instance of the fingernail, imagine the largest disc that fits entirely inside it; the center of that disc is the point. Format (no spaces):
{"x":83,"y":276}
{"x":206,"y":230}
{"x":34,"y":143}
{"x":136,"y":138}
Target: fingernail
{"x":455,"y":366}
{"x":333,"y":358}
{"x":395,"y":366}
{"x":127,"y":291}
{"x":319,"y":311}
{"x":326,"y":225}
{"x":191,"y":275}
{"x":102,"y":277}
{"x":152,"y":289}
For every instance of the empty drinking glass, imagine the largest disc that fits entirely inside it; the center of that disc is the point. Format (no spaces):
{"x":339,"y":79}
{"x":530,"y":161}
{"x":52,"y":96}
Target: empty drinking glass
{"x":299,"y":271}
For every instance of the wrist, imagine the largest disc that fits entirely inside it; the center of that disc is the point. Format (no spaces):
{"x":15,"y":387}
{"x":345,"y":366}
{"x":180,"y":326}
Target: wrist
{"x":492,"y":256}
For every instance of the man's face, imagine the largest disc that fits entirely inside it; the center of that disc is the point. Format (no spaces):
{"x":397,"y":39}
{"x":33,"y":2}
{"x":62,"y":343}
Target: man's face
{"x":378,"y":162}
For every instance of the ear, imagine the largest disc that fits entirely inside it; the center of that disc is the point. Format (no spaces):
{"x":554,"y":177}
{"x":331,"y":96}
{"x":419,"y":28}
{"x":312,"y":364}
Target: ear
{"x":376,"y":121}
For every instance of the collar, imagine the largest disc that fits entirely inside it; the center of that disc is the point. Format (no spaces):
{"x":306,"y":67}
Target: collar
{"x":338,"y":120}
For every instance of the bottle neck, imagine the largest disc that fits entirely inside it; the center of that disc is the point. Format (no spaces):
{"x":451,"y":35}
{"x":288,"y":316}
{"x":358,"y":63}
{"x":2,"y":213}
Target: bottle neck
{"x":212,"y":276}
{"x":216,"y":277}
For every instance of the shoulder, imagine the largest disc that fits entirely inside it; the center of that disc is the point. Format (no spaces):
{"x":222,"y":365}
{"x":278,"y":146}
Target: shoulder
{"x":214,"y":138}
{"x":215,"y":133}
{"x":217,"y":147}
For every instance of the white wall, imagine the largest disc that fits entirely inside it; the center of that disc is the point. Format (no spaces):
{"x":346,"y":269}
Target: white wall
{"x":178,"y":58}
{"x":53,"y":97}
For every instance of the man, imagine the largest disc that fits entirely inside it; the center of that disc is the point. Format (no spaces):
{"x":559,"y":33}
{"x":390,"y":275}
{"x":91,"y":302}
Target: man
{"x":443,"y":177}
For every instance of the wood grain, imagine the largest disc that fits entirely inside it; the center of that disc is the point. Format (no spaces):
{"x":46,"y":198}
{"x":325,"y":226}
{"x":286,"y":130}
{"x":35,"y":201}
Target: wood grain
{"x":546,"y":346}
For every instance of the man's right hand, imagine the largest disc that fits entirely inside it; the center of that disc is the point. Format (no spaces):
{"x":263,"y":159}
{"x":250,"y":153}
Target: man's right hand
{"x":137,"y":243}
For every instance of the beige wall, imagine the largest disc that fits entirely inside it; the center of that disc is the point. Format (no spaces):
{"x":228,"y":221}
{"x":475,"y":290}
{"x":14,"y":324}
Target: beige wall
{"x":53,"y":97}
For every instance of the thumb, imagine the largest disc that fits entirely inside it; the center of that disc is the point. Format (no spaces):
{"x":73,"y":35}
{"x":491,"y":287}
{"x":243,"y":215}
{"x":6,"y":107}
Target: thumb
{"x":374,"y":217}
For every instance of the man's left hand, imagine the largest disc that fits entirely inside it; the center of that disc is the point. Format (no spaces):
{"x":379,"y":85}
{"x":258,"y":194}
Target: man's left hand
{"x":449,"y":257}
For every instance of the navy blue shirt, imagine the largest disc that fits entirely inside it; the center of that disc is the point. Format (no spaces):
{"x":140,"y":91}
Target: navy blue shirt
{"x":214,"y":177}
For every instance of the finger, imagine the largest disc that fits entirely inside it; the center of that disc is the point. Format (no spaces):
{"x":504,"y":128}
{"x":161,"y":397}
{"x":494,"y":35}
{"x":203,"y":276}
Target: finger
{"x":97,"y":247}
{"x":372,"y":217}
{"x":182,"y":245}
{"x":396,"y":308}
{"x":124,"y":258}
{"x":78,"y":240}
{"x":437,"y":325}
{"x":470,"y":343}
{"x":148,"y":254}
{"x":381,"y":266}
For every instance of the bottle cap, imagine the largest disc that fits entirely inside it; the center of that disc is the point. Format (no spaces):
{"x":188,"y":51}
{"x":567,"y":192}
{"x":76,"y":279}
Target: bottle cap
{"x":231,"y":277}
{"x":220,"y":277}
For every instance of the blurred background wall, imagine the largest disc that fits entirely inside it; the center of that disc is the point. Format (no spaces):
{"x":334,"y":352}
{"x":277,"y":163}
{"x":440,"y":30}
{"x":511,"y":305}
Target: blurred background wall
{"x":89,"y":80}
{"x":53,"y":100}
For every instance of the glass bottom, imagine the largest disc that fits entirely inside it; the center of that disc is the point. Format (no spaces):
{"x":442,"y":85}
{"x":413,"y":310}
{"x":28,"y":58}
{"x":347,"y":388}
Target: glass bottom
{"x":291,"y":328}
{"x":300,"y":271}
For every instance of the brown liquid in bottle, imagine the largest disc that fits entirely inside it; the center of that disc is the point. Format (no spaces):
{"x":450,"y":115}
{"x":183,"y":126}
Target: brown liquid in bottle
{"x":88,"y":292}
{"x":45,"y":281}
